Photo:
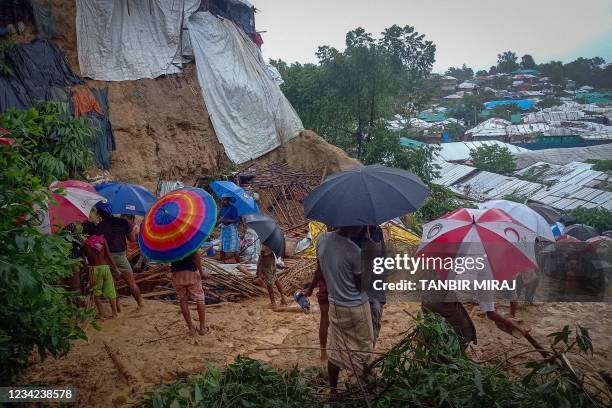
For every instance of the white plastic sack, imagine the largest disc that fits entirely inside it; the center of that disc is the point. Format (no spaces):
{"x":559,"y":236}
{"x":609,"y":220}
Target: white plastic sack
{"x":249,"y":112}
{"x":120,"y":40}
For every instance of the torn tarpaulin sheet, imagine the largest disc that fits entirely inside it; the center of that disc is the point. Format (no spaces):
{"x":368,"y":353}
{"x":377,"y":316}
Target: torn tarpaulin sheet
{"x":121,"y":40}
{"x":249,"y":112}
{"x":38,"y":68}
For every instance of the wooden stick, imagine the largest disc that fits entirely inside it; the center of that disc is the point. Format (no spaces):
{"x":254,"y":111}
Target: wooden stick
{"x":119,"y":364}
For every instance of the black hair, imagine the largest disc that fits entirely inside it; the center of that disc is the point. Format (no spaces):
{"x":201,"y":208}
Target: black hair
{"x":89,"y":228}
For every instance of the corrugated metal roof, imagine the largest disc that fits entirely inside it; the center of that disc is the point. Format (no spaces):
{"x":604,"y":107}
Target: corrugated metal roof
{"x":527,"y":128}
{"x":488,"y":186}
{"x":555,"y":116}
{"x":566,"y":196}
{"x":450,"y":173}
{"x":577,"y":173}
{"x":460,"y":151}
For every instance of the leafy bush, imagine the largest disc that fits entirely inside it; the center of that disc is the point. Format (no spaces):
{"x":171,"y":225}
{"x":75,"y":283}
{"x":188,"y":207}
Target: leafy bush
{"x":54,"y":142}
{"x":600,"y":165}
{"x":429,"y":368}
{"x":598,"y":217}
{"x":493,"y":158}
{"x":35,"y":315}
{"x":245,"y":383}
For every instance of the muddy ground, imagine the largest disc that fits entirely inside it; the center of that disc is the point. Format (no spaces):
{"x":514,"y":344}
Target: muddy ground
{"x":250,"y":328}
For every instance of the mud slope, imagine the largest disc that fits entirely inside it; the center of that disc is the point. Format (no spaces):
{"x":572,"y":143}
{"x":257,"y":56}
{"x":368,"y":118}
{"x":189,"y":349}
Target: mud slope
{"x":162,"y":127}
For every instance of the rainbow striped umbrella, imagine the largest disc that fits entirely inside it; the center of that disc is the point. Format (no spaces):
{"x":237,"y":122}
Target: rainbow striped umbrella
{"x":177,"y":224}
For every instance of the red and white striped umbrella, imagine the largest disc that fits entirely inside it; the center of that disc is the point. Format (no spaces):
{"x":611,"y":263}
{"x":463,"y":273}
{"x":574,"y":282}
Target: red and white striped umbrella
{"x":72,"y":201}
{"x":505,"y":244}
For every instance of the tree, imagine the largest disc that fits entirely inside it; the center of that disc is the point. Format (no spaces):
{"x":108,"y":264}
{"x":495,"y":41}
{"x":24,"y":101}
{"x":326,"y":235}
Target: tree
{"x":598,"y":218}
{"x":527,"y":62}
{"x":55,"y":142}
{"x":482,"y":72}
{"x":36,"y":315}
{"x":462,"y":74}
{"x":349,"y":96}
{"x":506,"y":62}
{"x":554,"y":71}
{"x":494,"y":158}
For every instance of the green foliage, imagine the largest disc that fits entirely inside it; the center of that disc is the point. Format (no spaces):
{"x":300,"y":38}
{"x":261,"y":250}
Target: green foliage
{"x":527,"y":62}
{"x":598,"y":217}
{"x":517,"y":198}
{"x":493,"y":158}
{"x":244,"y":383}
{"x":349,"y":95}
{"x":549,"y":102}
{"x":600,"y":165}
{"x":52,"y":140}
{"x":506,"y":62}
{"x":429,"y":368}
{"x":441,"y":200}
{"x":462,"y":74}
{"x":35,"y":315}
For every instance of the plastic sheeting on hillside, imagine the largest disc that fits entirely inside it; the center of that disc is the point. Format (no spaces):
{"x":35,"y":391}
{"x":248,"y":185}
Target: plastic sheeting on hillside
{"x":121,"y":40}
{"x":38,"y":70}
{"x":249,"y":112}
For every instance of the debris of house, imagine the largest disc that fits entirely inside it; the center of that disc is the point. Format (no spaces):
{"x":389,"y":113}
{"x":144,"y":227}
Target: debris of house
{"x":461,"y":151}
{"x":281,"y":191}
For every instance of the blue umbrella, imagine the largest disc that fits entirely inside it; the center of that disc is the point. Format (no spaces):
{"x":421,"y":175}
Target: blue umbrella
{"x":244,"y":203}
{"x":126,"y":198}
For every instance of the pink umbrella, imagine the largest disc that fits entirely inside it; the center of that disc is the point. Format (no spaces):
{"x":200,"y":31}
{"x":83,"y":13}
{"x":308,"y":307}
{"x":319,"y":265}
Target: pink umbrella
{"x":506,"y":245}
{"x":72,"y":201}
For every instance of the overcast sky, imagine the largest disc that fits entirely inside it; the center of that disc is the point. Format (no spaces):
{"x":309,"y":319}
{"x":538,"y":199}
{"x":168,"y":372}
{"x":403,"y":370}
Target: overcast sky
{"x":464,"y":31}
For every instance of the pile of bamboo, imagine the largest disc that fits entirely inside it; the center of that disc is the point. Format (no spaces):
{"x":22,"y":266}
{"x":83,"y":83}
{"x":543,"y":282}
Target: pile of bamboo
{"x":281,"y":191}
{"x":221,"y":280}
{"x":298,"y":274}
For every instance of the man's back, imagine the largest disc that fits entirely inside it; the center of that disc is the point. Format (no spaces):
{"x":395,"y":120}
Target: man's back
{"x":116,"y":231}
{"x":340,"y":262}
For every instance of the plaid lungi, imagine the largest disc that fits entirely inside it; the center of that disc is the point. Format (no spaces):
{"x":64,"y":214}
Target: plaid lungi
{"x":351,"y":337}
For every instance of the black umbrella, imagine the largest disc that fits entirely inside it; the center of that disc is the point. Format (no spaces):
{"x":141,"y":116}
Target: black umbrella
{"x":268,"y":232}
{"x":550,"y":214}
{"x":581,"y":231}
{"x":367,"y":195}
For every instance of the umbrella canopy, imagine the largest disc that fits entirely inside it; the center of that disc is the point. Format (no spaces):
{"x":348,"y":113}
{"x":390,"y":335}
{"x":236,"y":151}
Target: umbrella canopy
{"x":550,"y":214}
{"x":523,"y":214}
{"x":367,"y":195}
{"x":244,"y":203}
{"x":71,"y":202}
{"x":124,"y":198}
{"x":507,"y":245}
{"x":177,"y":224}
{"x":268,"y":232}
{"x":581,"y":231}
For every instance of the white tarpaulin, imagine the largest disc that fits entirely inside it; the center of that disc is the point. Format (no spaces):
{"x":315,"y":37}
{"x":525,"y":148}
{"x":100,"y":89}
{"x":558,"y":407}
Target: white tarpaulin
{"x":249,"y":112}
{"x":120,"y":40}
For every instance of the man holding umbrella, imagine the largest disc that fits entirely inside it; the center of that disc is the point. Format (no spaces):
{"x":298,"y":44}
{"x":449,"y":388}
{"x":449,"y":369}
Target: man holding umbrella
{"x":349,"y":200}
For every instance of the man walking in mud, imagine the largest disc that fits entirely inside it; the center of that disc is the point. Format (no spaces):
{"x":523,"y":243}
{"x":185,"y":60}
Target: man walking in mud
{"x":350,"y":321}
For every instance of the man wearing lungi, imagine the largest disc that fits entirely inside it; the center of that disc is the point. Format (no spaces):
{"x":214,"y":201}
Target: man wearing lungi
{"x":228,"y":223}
{"x":350,"y":321}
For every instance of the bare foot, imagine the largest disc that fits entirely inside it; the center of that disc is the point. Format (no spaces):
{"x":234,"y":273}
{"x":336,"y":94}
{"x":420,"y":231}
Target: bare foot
{"x":192,"y":331}
{"x":323,"y":355}
{"x":203,"y":331}
{"x":283,"y":302}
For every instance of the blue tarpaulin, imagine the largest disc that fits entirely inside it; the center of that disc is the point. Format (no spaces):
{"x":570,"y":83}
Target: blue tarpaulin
{"x":521,"y":103}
